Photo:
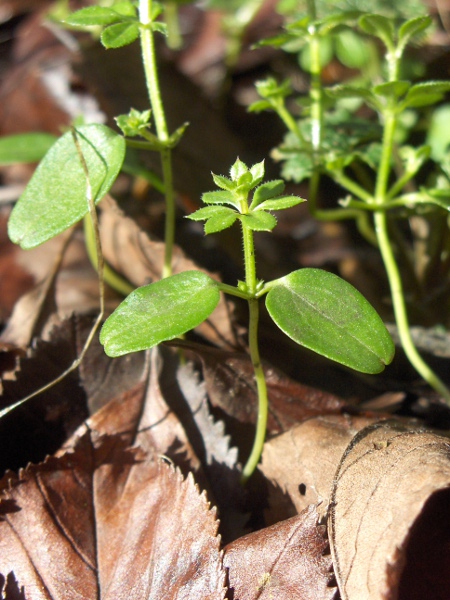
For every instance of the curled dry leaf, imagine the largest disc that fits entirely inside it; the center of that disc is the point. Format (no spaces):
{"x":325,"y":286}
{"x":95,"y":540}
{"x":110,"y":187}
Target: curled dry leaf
{"x":284,"y":561}
{"x":301,"y":463}
{"x":389,"y":518}
{"x":139,"y":259}
{"x":106,"y":522}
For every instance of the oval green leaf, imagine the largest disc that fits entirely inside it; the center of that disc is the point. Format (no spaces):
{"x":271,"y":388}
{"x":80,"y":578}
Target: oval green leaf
{"x":160,"y":311}
{"x":120,"y":34}
{"x":55,"y":197}
{"x":326,"y":314}
{"x":25,"y":147}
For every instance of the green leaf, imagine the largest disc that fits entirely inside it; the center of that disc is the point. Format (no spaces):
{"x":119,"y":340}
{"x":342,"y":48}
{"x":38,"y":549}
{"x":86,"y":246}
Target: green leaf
{"x":160,"y":311}
{"x":176,"y":136}
{"x":329,"y":316}
{"x":438,"y":197}
{"x":330,"y":22}
{"x":120,"y":34}
{"x":259,"y":106}
{"x":219,"y":197}
{"x":325,"y":54}
{"x":134,"y":122}
{"x":257,"y":172}
{"x":25,"y":147}
{"x":348,"y":91}
{"x":238,"y":169}
{"x":280,"y":203}
{"x":392,"y":89}
{"x":55,"y":197}
{"x":218,"y":217}
{"x":93,"y":15}
{"x":259,"y":221}
{"x":159,"y":27}
{"x":438,"y":134}
{"x":267,"y":190}
{"x":411,"y":29}
{"x":224,"y":182}
{"x":424,"y":94}
{"x":352,"y":50}
{"x":379,"y":26}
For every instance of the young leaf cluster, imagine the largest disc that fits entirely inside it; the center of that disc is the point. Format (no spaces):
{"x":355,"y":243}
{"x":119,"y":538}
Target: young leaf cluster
{"x":232,"y":202}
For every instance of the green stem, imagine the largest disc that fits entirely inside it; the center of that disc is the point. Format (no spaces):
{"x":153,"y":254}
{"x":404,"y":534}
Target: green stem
{"x":249,"y":260}
{"x":154,"y":92}
{"x":401,"y":316}
{"x":261,"y":386}
{"x":387,"y":253}
{"x":253,"y":306}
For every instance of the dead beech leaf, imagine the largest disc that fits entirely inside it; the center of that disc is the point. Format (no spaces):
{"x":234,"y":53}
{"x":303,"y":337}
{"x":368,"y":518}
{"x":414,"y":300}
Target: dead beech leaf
{"x":230,"y":385}
{"x":130,"y":251}
{"x":389,"y":517}
{"x":301,"y":463}
{"x":284,"y":561}
{"x":108,"y":522}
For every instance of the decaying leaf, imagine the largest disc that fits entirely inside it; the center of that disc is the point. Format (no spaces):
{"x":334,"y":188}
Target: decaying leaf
{"x":230,"y":385}
{"x":389,"y":516}
{"x":106,"y":522}
{"x":301,"y":463}
{"x":284,"y":561}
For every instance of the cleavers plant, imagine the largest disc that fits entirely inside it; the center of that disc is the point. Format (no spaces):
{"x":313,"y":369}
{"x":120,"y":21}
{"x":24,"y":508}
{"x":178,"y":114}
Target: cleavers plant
{"x":315,"y":308}
{"x":369,"y":158}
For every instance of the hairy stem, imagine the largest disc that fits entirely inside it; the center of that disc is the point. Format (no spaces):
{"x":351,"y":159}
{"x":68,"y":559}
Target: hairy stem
{"x":261,"y":386}
{"x":156,"y":103}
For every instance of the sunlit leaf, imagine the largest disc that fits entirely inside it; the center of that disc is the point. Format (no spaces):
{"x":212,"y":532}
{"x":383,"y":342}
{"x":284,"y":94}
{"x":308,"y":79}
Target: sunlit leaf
{"x":93,"y":15}
{"x":326,"y":314}
{"x":267,"y":190}
{"x":55,"y":197}
{"x":411,"y":29}
{"x":25,"y":147}
{"x":160,"y":311}
{"x":379,"y":26}
{"x":280,"y":203}
{"x":120,"y":34}
{"x":259,"y":221}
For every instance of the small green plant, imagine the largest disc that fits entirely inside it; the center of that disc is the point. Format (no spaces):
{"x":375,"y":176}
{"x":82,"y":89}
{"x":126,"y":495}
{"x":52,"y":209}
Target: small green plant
{"x":313,"y":307}
{"x":370,"y":159}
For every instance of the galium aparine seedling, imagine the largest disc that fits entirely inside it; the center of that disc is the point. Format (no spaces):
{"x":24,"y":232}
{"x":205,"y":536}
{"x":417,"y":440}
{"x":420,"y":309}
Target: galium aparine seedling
{"x":316,"y":309}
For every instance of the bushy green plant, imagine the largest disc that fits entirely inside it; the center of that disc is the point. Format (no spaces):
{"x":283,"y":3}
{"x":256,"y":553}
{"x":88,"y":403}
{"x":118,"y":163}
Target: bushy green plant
{"x":370,"y":158}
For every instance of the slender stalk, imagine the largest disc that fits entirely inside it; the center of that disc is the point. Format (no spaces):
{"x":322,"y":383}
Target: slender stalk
{"x":154,"y":92}
{"x":401,"y":316}
{"x":263,"y":403}
{"x":261,"y":386}
{"x":387,"y":253}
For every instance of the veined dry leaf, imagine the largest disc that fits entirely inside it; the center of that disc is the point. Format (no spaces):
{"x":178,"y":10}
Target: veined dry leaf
{"x":282,"y":562}
{"x":108,"y":522}
{"x":139,"y":259}
{"x":389,"y":517}
{"x":301,"y":463}
{"x":230,"y":385}
{"x":41,"y":425}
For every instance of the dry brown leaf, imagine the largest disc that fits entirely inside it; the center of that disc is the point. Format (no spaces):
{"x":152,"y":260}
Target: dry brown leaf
{"x":284,"y":561}
{"x":301,"y":463}
{"x":389,"y":516}
{"x":130,"y":251}
{"x":230,"y":385}
{"x":108,"y":522}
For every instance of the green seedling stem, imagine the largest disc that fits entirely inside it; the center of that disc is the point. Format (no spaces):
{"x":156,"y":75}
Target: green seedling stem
{"x":154,"y":92}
